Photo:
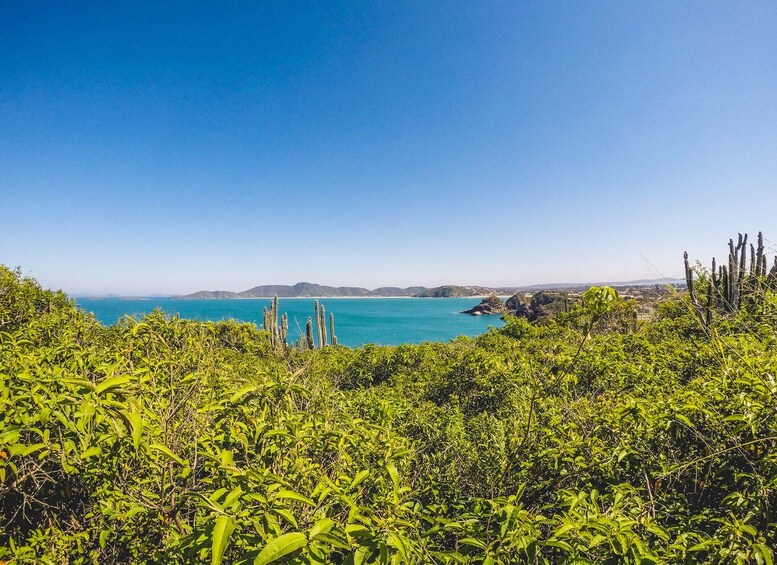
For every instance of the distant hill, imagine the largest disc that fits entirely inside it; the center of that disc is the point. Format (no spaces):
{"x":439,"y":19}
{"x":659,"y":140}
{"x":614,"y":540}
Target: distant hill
{"x":301,"y":289}
{"x":310,"y":290}
{"x":572,"y":286}
{"x":396,"y":291}
{"x":452,"y":291}
{"x":305,"y":289}
{"x":208,"y":294}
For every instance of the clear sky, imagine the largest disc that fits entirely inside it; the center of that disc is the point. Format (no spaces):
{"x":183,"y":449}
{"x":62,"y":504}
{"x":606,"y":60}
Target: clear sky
{"x":166,"y":148}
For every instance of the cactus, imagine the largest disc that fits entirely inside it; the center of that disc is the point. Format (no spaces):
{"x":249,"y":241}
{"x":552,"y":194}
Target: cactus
{"x":703,"y":312}
{"x":316,"y":308}
{"x":771,"y":280}
{"x":732,"y":286}
{"x":332,"y":335}
{"x":278,"y":332}
{"x":689,"y":279}
{"x":322,"y":339}
{"x":275,"y":321}
{"x":314,"y":338}
{"x":309,"y":334}
{"x":760,"y":257}
{"x":323,"y":325}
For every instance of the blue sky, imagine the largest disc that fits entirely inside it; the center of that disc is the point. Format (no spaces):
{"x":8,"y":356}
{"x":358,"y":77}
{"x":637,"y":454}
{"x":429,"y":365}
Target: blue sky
{"x":149,"y":148}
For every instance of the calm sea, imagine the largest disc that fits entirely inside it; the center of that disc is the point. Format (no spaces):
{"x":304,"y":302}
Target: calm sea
{"x":358,"y":321}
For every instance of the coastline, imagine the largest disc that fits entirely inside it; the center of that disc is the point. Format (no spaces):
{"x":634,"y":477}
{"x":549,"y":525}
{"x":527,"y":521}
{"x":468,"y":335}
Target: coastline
{"x":480,"y":296}
{"x":149,"y":298}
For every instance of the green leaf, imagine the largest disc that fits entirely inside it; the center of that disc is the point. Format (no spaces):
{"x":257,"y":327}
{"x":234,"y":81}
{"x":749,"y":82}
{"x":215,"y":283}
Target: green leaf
{"x":242,"y":392}
{"x":280,"y":547}
{"x":395,"y":541}
{"x":33,"y":448}
{"x":596,"y":540}
{"x":765,"y":552}
{"x":360,"y":555}
{"x":473,"y":542}
{"x":232,"y":497}
{"x":79,"y":382}
{"x":136,"y":509}
{"x":333,"y":540}
{"x":321,"y":527}
{"x":393,"y":473}
{"x":112,"y":383}
{"x":684,"y":419}
{"x":558,"y":543}
{"x":136,"y":423}
{"x":221,"y":532}
{"x":702,"y":546}
{"x":216,"y":495}
{"x":657,"y":530}
{"x":166,"y":451}
{"x":91,"y":452}
{"x":747,"y":528}
{"x":290,"y":494}
{"x":286,"y":515}
{"x":360,"y":476}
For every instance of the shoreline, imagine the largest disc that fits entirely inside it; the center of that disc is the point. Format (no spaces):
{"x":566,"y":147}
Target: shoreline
{"x":153,"y":298}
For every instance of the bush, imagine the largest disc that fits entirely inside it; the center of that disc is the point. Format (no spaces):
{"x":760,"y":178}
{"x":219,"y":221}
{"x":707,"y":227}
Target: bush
{"x":588,"y":438}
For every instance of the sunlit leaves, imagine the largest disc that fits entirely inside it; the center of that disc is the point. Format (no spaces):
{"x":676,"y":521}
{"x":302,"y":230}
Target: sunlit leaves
{"x":222,"y":530}
{"x":280,"y":547}
{"x":168,"y":440}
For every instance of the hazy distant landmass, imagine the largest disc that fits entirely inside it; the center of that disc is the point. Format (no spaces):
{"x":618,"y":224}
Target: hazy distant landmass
{"x":305,"y":290}
{"x":204,"y":294}
{"x":310,"y":290}
{"x":457,"y":291}
{"x":572,"y":286}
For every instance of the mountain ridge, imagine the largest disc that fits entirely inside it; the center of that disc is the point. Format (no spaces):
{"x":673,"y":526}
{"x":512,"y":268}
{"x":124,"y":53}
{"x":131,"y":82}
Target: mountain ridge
{"x":312,"y":290}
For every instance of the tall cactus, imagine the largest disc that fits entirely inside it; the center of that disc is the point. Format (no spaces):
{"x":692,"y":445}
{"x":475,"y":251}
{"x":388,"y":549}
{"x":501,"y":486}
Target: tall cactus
{"x":732,"y":286}
{"x":323,"y":324}
{"x":317,"y":318}
{"x":309,"y":334}
{"x":322,"y":339}
{"x":689,"y":279}
{"x":320,"y":325}
{"x":278,"y":332}
{"x":284,"y":328}
{"x":274,"y":312}
{"x":315,"y":336}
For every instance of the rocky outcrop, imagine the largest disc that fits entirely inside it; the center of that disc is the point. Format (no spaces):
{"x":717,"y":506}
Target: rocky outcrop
{"x":542,"y":304}
{"x":517,"y":305}
{"x":489,"y":306}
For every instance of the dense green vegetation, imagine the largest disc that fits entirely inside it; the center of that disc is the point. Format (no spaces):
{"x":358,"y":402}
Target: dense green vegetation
{"x":588,"y":438}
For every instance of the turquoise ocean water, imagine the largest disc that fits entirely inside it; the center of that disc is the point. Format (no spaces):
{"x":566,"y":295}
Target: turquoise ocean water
{"x":358,"y":321}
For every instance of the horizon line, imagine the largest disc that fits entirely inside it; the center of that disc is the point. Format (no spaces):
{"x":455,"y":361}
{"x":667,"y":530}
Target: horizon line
{"x":548,"y":286}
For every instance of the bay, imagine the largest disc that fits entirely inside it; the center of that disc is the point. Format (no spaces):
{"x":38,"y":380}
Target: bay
{"x":358,"y":321}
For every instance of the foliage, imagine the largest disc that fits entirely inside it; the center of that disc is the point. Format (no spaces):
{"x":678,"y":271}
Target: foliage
{"x":588,"y":438}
